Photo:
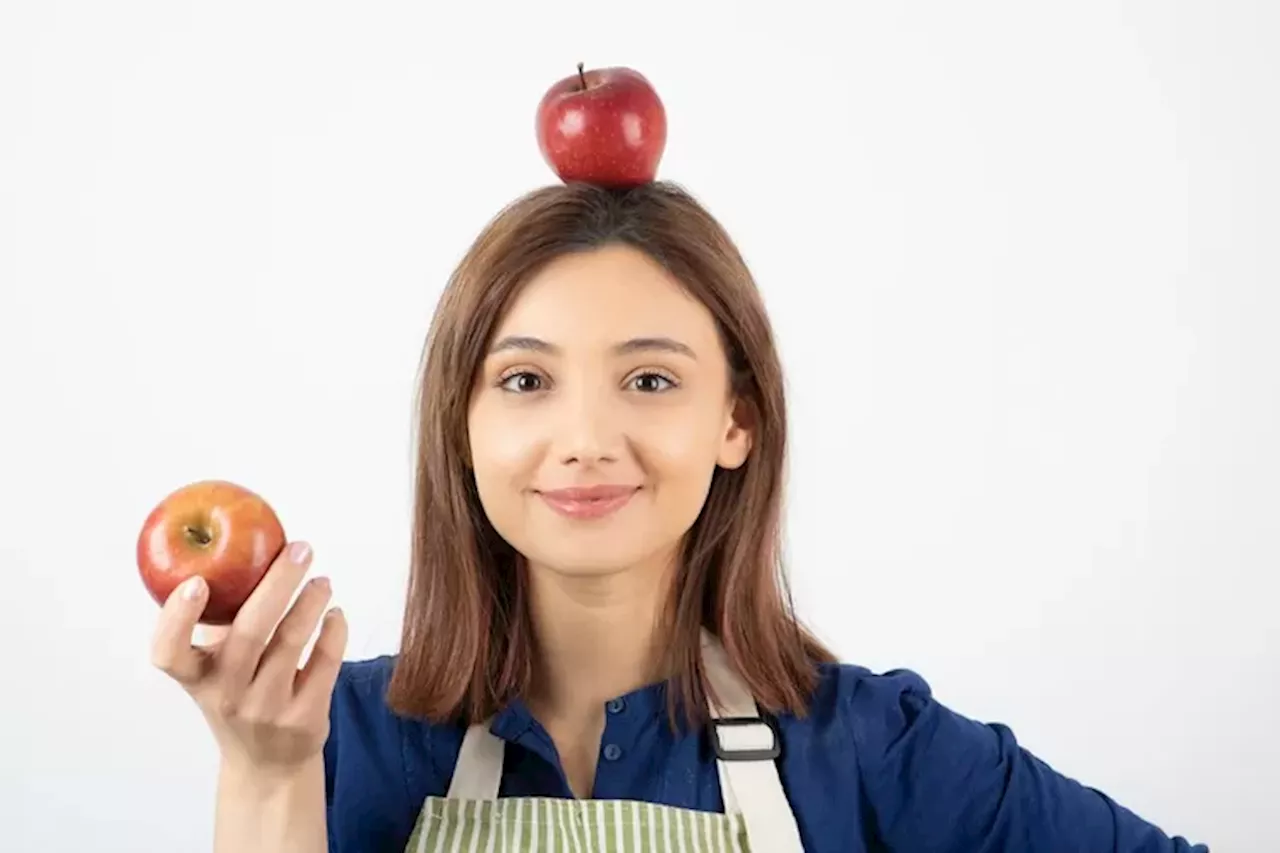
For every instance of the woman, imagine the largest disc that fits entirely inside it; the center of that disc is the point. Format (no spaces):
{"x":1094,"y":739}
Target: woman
{"x":597,"y":650}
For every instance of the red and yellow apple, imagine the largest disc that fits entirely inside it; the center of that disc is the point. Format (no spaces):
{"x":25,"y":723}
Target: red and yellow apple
{"x":606,"y":127}
{"x":221,"y":531}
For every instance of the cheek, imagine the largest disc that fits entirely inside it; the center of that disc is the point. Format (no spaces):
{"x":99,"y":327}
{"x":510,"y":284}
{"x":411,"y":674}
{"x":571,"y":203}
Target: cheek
{"x":498,"y":450}
{"x":504,"y":461}
{"x":681,"y":455}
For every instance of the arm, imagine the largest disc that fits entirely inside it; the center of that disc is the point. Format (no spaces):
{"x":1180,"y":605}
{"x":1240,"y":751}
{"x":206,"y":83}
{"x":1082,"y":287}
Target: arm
{"x":934,"y":780}
{"x":371,"y":764}
{"x":272,"y":815}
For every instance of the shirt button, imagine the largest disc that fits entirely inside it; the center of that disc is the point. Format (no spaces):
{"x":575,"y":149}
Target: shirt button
{"x":616,"y":706}
{"x":612,"y":752}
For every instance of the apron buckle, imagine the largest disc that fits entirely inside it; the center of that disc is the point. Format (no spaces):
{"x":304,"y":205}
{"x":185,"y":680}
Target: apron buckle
{"x":745,"y":739}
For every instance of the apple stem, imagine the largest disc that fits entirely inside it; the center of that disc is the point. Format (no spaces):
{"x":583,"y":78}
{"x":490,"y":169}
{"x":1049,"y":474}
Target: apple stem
{"x":198,"y":535}
{"x":582,"y":77}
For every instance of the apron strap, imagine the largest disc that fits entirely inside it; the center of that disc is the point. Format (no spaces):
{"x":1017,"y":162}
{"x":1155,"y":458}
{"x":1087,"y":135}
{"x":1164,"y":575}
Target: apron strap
{"x":478,"y":773}
{"x":745,"y":744}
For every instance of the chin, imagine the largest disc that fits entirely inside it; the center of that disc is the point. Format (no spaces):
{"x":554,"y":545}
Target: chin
{"x":585,"y":564}
{"x":597,"y":553}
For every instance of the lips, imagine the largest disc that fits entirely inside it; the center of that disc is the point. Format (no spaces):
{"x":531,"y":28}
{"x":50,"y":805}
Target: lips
{"x":584,"y":502}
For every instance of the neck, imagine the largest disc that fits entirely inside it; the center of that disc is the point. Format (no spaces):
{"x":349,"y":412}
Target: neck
{"x":597,"y":637}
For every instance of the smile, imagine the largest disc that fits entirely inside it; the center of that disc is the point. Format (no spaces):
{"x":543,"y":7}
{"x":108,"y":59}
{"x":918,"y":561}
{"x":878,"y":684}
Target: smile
{"x":589,"y":501}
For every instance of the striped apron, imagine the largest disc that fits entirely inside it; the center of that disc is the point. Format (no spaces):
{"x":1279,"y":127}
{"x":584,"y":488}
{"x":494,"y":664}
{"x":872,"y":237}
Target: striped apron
{"x":472,"y":819}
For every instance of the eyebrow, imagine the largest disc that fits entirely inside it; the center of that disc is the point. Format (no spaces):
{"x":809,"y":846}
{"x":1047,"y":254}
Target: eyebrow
{"x":634,"y":345}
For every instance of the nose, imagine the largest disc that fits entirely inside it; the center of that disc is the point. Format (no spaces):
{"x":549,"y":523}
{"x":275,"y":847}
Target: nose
{"x":590,"y":430}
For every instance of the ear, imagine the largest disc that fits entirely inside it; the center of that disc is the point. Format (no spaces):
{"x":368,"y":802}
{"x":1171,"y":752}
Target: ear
{"x":735,"y":445}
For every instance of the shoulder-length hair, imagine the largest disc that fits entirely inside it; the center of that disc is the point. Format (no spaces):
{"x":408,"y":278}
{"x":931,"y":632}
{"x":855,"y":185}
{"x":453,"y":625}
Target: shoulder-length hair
{"x":467,"y":644}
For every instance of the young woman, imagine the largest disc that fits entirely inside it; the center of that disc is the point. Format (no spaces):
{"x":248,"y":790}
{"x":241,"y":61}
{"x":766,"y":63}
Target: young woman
{"x":597,"y":650}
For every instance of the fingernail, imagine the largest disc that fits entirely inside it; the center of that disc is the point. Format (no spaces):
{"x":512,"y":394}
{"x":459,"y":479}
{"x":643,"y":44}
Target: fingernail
{"x":192,"y":588}
{"x":299,"y":552}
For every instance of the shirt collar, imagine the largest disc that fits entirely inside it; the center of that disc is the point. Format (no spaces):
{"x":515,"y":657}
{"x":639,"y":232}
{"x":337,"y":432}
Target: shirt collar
{"x":515,"y":721}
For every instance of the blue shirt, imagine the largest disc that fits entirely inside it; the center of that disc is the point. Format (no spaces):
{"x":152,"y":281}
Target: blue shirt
{"x":878,"y":764}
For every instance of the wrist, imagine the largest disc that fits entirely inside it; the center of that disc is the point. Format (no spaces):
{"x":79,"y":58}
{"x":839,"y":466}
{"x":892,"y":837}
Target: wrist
{"x":277,"y":809}
{"x":267,"y":781}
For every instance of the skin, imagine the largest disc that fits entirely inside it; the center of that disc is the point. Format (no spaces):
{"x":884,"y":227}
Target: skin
{"x":579,"y":410}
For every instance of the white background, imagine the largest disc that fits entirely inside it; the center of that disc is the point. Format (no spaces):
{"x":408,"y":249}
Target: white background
{"x":1021,"y":258}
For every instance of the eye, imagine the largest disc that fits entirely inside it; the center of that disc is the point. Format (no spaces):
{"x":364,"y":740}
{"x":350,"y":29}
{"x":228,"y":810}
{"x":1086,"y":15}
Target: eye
{"x":521,"y":382}
{"x":651,"y":383}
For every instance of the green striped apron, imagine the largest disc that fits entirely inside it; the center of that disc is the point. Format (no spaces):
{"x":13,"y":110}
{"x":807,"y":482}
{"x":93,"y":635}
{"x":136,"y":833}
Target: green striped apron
{"x":472,"y":819}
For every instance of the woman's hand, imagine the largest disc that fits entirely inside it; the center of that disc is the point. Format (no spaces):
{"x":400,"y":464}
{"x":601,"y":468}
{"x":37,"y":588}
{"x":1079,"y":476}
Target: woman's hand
{"x":268,"y":716}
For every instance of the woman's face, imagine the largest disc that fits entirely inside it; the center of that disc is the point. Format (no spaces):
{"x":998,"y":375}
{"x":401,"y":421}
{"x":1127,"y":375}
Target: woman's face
{"x":604,"y":375}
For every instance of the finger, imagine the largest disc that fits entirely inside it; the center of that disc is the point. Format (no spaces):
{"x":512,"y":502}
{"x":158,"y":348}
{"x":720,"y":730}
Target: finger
{"x":210,"y":637}
{"x":171,"y":649}
{"x":279,"y":663}
{"x":314,"y":683}
{"x":257,"y":618}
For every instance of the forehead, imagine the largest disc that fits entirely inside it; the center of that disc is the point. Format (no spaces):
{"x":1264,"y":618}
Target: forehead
{"x":604,"y":295}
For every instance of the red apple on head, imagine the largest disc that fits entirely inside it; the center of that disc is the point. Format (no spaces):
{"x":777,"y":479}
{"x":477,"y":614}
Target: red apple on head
{"x":605,"y":127}
{"x":223,"y":532}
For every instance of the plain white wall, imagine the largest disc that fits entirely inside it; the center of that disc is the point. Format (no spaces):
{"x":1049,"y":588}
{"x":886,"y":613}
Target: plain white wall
{"x":1022,"y":263}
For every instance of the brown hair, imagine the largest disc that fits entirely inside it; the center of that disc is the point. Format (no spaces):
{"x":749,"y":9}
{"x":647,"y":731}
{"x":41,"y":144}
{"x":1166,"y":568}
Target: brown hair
{"x":467,"y":643}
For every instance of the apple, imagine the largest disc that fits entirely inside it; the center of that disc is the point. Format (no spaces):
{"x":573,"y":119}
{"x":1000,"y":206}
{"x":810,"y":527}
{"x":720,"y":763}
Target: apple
{"x":605,"y":127}
{"x":221,"y":531}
